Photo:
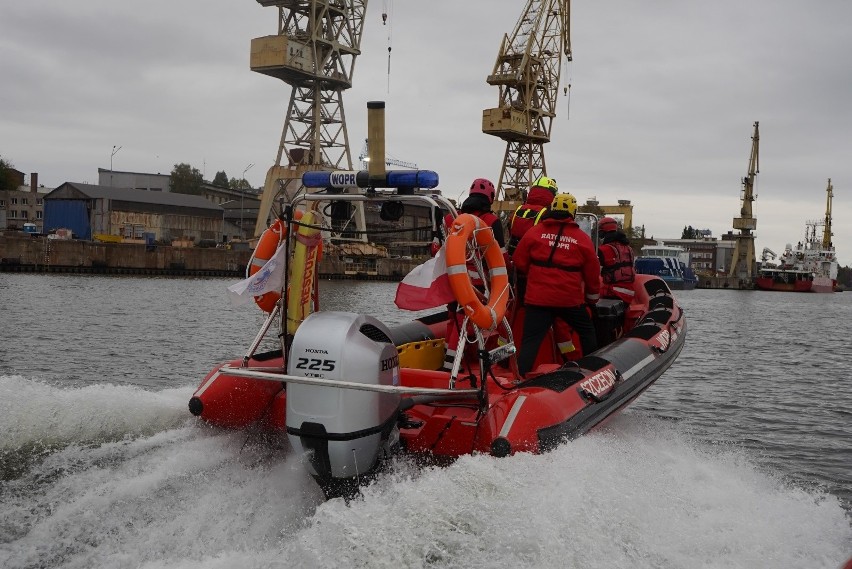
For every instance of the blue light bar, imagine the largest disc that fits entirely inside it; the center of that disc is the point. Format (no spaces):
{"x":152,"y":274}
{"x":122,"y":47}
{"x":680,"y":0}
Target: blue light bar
{"x":412,"y":179}
{"x":400,"y":179}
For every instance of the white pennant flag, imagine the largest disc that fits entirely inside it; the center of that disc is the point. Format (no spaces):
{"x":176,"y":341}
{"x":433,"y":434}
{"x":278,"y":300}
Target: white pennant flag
{"x":269,"y":278}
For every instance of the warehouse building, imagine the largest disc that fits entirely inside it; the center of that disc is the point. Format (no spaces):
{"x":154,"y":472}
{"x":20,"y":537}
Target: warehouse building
{"x":135,"y":180}
{"x":129,"y":214}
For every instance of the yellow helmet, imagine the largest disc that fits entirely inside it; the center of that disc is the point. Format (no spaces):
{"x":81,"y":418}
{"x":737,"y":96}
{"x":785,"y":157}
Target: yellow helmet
{"x":564,"y":202}
{"x":546,"y":183}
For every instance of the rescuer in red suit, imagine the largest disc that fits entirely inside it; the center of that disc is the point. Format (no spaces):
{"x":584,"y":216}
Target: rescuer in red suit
{"x":478,"y":203}
{"x":540,"y":196}
{"x":563,"y":277}
{"x":526,"y":217}
{"x":616,"y":259}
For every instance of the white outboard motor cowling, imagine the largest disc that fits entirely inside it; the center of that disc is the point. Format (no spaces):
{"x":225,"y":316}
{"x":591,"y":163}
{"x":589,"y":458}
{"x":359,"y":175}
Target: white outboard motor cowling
{"x":343,"y":432}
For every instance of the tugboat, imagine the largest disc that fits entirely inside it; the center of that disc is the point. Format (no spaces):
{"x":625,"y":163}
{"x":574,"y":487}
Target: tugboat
{"x":810,"y":266}
{"x":349,"y":391}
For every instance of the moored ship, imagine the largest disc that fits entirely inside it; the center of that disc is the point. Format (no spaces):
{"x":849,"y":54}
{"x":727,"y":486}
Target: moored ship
{"x":804,"y":268}
{"x":668,"y":262}
{"x":810,"y":266}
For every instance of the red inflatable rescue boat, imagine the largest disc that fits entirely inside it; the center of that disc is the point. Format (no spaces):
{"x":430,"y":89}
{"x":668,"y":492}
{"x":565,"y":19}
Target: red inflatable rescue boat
{"x":352,"y":391}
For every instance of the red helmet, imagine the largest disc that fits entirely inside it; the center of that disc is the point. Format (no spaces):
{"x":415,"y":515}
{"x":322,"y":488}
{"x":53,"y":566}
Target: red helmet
{"x":484,"y":187}
{"x":607,"y":224}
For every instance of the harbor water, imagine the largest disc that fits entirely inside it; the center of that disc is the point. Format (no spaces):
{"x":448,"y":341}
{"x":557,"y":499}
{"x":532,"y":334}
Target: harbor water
{"x":740,"y":456}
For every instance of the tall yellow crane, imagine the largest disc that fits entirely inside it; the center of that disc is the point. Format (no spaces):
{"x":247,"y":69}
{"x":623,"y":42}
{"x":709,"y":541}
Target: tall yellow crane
{"x":826,"y":232}
{"x":527,"y":71}
{"x":314,"y":51}
{"x":743,"y":261}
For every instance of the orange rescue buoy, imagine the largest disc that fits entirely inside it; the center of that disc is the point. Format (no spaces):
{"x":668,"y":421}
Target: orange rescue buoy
{"x":486,"y":316}
{"x":266,"y":247}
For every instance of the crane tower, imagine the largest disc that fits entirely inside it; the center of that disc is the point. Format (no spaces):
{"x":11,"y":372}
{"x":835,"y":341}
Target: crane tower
{"x":826,"y":232}
{"x":743,"y":260}
{"x":527,"y":71}
{"x":314,"y":51}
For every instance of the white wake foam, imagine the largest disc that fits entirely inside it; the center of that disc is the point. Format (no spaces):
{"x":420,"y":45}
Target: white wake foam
{"x":639,"y":494}
{"x":37,"y":413}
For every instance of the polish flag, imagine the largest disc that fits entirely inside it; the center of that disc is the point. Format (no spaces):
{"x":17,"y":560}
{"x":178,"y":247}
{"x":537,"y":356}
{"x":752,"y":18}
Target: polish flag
{"x":426,"y":286}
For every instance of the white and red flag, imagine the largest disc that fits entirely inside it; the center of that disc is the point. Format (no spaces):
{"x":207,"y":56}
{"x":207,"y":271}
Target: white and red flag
{"x":426,"y":286}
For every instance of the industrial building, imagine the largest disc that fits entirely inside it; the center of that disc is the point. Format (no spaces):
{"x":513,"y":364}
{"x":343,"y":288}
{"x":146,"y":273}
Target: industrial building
{"x":22,"y":208}
{"x":135,"y":180}
{"x":128,"y":214}
{"x":241,"y":206}
{"x":708,"y":256}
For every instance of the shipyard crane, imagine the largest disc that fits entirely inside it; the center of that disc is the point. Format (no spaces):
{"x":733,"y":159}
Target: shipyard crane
{"x":826,"y":232}
{"x":527,"y":72}
{"x":743,"y":260}
{"x":314,"y":51}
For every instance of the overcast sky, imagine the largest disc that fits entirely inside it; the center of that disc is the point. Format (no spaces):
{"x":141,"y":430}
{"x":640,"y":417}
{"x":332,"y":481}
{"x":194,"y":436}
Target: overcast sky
{"x":663,"y":100}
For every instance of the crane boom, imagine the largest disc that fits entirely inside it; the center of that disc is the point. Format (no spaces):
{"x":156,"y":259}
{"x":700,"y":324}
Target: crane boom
{"x":527,"y":73}
{"x":747,"y":222}
{"x":743,"y":260}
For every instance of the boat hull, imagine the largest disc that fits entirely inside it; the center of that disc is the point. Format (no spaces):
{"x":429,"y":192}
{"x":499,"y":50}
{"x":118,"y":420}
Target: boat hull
{"x":818,"y":284}
{"x":681,"y":284}
{"x":823,"y":285}
{"x":675,"y":283}
{"x":676,"y":272}
{"x":559,"y":404}
{"x":556,"y":402}
{"x":768,"y":283}
{"x":235,"y":402}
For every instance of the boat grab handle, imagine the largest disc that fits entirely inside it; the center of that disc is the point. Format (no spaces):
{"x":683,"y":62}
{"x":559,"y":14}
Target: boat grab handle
{"x":279,"y":377}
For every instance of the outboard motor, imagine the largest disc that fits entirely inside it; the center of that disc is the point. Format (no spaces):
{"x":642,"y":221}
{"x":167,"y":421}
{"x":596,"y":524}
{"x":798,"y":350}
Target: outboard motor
{"x":344,"y":433}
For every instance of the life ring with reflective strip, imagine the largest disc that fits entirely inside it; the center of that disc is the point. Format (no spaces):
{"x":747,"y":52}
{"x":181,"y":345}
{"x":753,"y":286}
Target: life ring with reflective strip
{"x":266,"y":247}
{"x":303,"y":271}
{"x":466,"y":227}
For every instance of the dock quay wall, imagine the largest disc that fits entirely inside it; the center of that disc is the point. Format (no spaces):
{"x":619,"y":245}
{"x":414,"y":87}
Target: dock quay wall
{"x":42,"y":255}
{"x":23,"y":253}
{"x":732,"y":283}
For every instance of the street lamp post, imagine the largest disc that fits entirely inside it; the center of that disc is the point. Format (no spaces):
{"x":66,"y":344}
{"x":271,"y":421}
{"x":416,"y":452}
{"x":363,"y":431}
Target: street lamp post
{"x":115,"y":150}
{"x":224,"y":210}
{"x":242,"y":194}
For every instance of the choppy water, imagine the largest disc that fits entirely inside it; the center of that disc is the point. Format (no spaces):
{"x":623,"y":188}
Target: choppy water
{"x":738,"y":457}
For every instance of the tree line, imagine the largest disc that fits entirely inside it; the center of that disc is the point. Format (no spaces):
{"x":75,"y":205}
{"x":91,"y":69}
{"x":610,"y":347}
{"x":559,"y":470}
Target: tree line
{"x":184,"y":179}
{"x":7,"y":177}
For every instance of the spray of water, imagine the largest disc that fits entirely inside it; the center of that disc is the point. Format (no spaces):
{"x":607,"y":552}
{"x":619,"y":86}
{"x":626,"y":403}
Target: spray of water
{"x":115,"y":476}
